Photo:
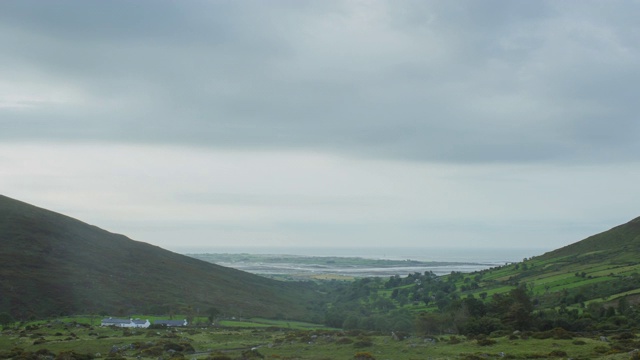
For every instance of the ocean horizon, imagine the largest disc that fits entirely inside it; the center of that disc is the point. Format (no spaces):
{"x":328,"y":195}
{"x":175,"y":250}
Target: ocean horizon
{"x":496,"y":256}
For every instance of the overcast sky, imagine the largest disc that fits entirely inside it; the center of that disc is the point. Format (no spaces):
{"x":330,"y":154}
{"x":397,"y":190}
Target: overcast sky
{"x":325,"y":123}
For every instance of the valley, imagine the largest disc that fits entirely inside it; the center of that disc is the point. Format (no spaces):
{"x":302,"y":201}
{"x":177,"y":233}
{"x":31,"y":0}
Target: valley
{"x":579,"y":301}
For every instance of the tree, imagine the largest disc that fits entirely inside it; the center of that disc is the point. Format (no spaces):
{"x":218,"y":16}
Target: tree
{"x":514,"y":308}
{"x":6,"y":319}
{"x":351,"y":322}
{"x":623,"y":306}
{"x":212,"y":314}
{"x":431,"y":323}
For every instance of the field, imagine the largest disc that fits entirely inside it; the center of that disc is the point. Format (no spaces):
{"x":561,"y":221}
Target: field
{"x":280,"y":340}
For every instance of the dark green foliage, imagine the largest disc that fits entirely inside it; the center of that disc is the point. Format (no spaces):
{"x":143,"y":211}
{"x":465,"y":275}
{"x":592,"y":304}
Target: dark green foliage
{"x":483,"y":325}
{"x":363,"y":356}
{"x":362,"y":342}
{"x":72,"y":355}
{"x":558,"y":353}
{"x":252,"y":354}
{"x":6,"y":319}
{"x":484,"y":341}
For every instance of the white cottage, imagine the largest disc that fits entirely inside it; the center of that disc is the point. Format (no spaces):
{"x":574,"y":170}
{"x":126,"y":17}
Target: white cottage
{"x":131,"y":323}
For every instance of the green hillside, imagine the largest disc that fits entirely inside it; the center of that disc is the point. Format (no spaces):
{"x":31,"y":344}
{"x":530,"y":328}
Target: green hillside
{"x":591,"y":285}
{"x":56,"y":265}
{"x":620,"y":241}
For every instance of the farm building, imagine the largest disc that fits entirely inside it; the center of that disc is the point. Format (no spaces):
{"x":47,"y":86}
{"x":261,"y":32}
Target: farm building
{"x":130,"y":323}
{"x":171,"y":323}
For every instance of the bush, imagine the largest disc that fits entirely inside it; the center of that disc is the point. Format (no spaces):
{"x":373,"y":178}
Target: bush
{"x":13,"y":353}
{"x":558,"y":353}
{"x":486,"y":342}
{"x":172,"y":346}
{"x":600,"y":349}
{"x":252,"y":354}
{"x":625,"y":336}
{"x":344,"y":341}
{"x":152,"y":351}
{"x":362,"y":343}
{"x":363,"y":356}
{"x":561,"y":334}
{"x":454,"y":340}
{"x":472,"y":357}
{"x":72,"y":355}
{"x":45,"y":352}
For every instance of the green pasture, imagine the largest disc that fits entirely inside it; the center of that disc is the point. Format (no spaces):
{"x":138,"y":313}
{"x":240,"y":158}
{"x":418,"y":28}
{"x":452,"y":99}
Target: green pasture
{"x":281,"y":343}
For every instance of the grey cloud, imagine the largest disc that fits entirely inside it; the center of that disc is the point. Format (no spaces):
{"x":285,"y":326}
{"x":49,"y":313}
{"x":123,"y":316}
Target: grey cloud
{"x":500,"y":81}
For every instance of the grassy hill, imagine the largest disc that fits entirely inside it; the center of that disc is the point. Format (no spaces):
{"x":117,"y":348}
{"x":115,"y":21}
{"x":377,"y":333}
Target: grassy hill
{"x":56,"y":265}
{"x":622,"y":240}
{"x":592,"y":285}
{"x":601,"y":267}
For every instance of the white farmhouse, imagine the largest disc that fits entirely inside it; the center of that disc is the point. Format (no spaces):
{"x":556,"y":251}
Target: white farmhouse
{"x":131,"y":323}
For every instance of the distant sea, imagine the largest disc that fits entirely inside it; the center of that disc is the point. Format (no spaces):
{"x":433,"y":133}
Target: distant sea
{"x":476,"y":255}
{"x":475,"y":258}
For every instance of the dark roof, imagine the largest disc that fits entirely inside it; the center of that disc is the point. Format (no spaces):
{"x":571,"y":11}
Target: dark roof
{"x":169,"y":322}
{"x":116,"y":321}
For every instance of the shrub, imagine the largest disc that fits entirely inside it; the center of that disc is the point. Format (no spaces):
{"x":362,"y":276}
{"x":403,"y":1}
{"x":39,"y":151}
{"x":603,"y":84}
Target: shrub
{"x":45,"y":352}
{"x":72,"y":355}
{"x":600,"y":349}
{"x":362,"y":343}
{"x":625,"y":336}
{"x":11,"y":354}
{"x":152,"y":351}
{"x":561,"y":334}
{"x":558,"y":353}
{"x":187,"y":348}
{"x":344,"y":341}
{"x":252,"y":354}
{"x":172,"y":346}
{"x":472,"y":357}
{"x":486,"y":342}
{"x":363,"y":356}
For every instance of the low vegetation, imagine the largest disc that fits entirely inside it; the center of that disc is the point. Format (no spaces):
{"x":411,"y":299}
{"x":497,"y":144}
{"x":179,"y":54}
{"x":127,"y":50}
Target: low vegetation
{"x":72,"y":340}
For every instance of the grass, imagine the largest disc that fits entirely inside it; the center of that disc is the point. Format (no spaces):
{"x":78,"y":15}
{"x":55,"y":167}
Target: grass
{"x":282,"y":343}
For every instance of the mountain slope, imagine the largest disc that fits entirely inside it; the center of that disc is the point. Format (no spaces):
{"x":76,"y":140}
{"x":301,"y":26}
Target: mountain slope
{"x":622,"y":240}
{"x":603,"y":267}
{"x":53,"y":264}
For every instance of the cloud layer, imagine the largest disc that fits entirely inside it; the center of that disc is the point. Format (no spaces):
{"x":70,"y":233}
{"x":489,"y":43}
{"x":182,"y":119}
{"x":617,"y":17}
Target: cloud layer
{"x":428,"y":81}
